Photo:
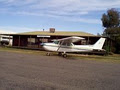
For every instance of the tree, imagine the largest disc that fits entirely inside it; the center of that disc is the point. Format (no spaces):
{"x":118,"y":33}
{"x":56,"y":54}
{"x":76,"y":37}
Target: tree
{"x":111,"y":19}
{"x":111,"y":24}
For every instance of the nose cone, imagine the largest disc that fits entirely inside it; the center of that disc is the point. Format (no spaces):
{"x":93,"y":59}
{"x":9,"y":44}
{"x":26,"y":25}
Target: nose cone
{"x":44,"y":46}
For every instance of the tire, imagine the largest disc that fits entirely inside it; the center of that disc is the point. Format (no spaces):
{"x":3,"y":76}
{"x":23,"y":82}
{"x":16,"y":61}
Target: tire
{"x":64,"y":55}
{"x":48,"y":54}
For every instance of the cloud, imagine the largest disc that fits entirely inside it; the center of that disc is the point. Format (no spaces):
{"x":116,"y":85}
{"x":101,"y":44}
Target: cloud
{"x":58,"y":8}
{"x":17,"y":29}
{"x":84,"y":20}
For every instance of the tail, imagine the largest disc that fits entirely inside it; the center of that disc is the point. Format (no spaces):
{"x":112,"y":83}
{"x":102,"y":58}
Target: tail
{"x":99,"y":44}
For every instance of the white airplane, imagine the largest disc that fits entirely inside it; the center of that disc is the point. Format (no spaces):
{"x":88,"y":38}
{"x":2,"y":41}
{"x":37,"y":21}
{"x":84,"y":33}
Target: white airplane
{"x":62,"y":46}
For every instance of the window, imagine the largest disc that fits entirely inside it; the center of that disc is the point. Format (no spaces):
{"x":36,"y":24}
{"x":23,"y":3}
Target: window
{"x":31,"y":40}
{"x":66,"y":43}
{"x":56,"y":42}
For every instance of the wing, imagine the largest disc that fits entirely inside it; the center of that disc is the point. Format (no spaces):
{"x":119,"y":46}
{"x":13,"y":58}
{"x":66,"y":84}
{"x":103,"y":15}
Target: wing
{"x":70,"y":39}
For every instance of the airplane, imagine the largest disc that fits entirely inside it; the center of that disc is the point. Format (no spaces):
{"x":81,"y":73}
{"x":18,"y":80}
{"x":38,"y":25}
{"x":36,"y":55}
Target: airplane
{"x":65,"y":45}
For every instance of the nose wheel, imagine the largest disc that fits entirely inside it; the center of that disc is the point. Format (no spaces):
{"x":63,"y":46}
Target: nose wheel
{"x":48,"y":54}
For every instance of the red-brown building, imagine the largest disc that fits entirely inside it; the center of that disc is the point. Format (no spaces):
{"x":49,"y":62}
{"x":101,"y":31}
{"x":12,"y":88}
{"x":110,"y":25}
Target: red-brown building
{"x":34,"y":39}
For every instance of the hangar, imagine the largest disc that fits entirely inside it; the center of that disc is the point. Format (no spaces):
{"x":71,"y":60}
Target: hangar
{"x":35,"y":38}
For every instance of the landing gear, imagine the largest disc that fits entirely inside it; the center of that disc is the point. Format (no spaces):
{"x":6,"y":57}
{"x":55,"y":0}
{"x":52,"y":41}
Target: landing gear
{"x":48,"y":54}
{"x":64,"y":55}
{"x":60,"y":53}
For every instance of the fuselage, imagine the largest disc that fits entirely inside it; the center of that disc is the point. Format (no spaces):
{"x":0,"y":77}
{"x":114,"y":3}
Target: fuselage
{"x":66,"y":45}
{"x":67,"y":48}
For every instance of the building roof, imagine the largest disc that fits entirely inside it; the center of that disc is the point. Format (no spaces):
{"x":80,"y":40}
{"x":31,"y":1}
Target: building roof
{"x":56,"y":33}
{"x":6,"y":32}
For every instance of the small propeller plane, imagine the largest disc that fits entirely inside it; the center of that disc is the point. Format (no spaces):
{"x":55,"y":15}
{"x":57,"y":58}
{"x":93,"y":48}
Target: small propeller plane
{"x":65,"y":45}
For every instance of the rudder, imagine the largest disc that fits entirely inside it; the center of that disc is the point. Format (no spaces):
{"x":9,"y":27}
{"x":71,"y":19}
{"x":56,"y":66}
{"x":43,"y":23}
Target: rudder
{"x":99,"y":44}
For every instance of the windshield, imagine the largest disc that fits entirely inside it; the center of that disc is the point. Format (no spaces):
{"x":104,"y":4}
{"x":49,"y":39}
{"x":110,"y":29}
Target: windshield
{"x":56,"y":42}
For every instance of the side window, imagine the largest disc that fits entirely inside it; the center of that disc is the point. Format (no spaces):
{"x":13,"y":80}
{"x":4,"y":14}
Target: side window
{"x":66,"y":44}
{"x":69,"y":44}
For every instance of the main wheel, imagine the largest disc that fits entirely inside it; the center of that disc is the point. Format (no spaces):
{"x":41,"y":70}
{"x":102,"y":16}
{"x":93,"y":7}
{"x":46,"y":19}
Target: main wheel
{"x":64,"y":55}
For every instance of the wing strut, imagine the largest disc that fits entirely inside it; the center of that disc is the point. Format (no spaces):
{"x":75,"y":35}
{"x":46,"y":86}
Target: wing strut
{"x":60,"y":45}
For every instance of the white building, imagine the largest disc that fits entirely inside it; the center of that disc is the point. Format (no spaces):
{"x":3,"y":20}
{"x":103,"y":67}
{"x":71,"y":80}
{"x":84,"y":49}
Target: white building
{"x":6,"y":39}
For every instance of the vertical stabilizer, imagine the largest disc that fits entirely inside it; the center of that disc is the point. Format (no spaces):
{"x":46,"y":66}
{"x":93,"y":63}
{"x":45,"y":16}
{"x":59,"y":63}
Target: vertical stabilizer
{"x":99,"y":44}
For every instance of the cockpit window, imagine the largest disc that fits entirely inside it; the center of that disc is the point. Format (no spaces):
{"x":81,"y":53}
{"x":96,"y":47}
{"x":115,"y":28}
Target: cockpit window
{"x":63,"y":43}
{"x":66,"y":44}
{"x":56,"y":42}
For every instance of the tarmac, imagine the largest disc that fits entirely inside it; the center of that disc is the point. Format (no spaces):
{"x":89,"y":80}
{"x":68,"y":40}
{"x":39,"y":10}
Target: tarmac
{"x":20,"y":71}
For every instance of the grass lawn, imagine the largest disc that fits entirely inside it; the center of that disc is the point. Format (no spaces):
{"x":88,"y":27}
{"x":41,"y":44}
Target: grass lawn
{"x":10,"y":49}
{"x":115,"y":58}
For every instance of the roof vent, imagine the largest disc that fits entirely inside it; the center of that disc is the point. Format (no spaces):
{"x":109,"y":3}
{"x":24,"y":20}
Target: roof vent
{"x":52,"y":30}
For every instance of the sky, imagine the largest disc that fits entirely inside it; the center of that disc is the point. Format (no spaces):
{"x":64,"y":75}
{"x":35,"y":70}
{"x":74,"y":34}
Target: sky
{"x":63,"y":15}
